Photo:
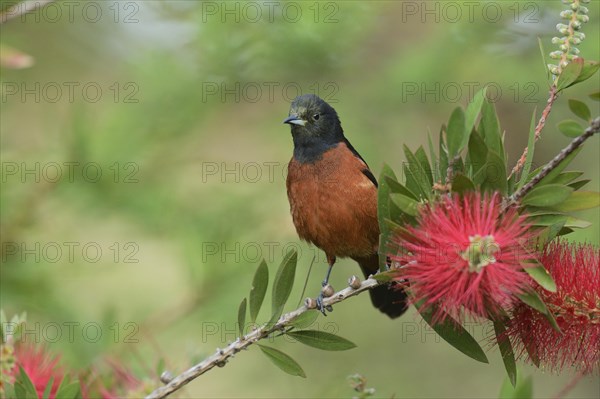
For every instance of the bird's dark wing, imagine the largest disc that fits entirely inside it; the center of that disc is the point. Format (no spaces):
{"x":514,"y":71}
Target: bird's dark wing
{"x":366,"y":171}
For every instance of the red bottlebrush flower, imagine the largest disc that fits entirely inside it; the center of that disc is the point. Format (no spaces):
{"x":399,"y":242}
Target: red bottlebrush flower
{"x":40,"y":366}
{"x":575,"y":306}
{"x":465,"y":255}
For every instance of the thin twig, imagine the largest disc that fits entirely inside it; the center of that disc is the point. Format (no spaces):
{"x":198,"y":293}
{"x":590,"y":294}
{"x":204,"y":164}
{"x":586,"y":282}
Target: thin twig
{"x":22,"y":8}
{"x":221,"y":356}
{"x":552,"y":96}
{"x":576,"y":143}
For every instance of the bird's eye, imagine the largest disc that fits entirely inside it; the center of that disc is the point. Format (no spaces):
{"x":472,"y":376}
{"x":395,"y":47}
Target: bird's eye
{"x":316,"y":117}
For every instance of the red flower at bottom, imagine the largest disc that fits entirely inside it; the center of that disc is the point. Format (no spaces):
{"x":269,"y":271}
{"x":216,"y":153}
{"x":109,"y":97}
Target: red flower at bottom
{"x":576,"y":308}
{"x":40,"y":366}
{"x":464,"y":254}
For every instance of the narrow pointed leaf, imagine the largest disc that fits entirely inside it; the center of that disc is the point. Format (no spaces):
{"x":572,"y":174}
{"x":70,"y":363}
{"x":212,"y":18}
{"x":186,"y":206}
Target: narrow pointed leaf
{"x":242,"y":317}
{"x":595,"y":96}
{"x":533,"y":300}
{"x":443,"y":159}
{"x":456,"y":132}
{"x":579,"y":184}
{"x":506,"y":350}
{"x":570,"y":128}
{"x":46,"y":394}
{"x":305,"y":320}
{"x":398,"y":188}
{"x":477,"y":152}
{"x":283,"y":283}
{"x":418,"y":174}
{"x":580,"y":109}
{"x":462,"y":183}
{"x":283,"y":361}
{"x":453,"y":333}
{"x":547,"y":195}
{"x":558,"y":169}
{"x":322,"y":340}
{"x":473,"y":110}
{"x":579,"y":201}
{"x":587,"y":71}
{"x":425,"y":166}
{"x":538,"y":272}
{"x":530,"y":151}
{"x":259,"y":289}
{"x":566,"y":177}
{"x":569,"y":74}
{"x":407,"y":205}
{"x":494,"y":174}
{"x":433,"y":158}
{"x":489,"y":128}
{"x":27,"y":383}
{"x":545,"y":64}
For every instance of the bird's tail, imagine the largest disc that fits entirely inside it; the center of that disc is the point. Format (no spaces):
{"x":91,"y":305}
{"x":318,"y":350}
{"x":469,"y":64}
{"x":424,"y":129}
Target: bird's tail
{"x":389,"y":298}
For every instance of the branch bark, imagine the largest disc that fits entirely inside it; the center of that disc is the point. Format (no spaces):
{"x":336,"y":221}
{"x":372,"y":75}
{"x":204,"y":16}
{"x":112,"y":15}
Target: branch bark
{"x":552,"y":96}
{"x":576,"y":143}
{"x":221,"y":356}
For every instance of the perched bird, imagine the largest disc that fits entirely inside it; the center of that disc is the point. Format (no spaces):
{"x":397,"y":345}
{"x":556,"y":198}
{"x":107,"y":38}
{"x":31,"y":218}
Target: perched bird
{"x":333,"y":196}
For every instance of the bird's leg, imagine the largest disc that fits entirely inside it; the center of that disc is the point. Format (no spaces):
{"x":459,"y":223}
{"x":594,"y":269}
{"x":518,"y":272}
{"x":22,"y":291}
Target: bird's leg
{"x":331,"y":262}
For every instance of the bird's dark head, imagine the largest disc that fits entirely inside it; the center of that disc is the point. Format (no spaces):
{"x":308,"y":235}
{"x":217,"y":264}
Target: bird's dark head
{"x":315,"y":126}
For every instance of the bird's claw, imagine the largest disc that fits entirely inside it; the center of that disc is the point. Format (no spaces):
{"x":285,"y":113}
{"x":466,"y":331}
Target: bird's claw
{"x":321,"y":307}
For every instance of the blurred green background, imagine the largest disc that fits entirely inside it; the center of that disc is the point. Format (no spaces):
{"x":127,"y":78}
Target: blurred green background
{"x":179,"y":105}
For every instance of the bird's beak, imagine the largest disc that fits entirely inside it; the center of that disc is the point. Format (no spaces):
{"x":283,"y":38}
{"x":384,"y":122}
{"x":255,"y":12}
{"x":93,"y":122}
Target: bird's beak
{"x":294,"y":120}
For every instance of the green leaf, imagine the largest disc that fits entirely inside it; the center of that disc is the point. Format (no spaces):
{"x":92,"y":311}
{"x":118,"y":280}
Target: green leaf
{"x":407,"y":205}
{"x":477,"y":152}
{"x":283,"y":361}
{"x":420,"y":176}
{"x":547,"y":195}
{"x":538,"y":272}
{"x":282,"y":286}
{"x":580,"y":109}
{"x":595,"y":96}
{"x":545,"y":64}
{"x":48,"y":389}
{"x":567,"y":177}
{"x":533,"y":300}
{"x":242,"y":317}
{"x":306,"y":319}
{"x":579,"y":184}
{"x":530,"y":150}
{"x":27,"y":384}
{"x":494,"y":174}
{"x":68,"y":390}
{"x":569,"y":74}
{"x":523,"y":390}
{"x":489,"y":128}
{"x":322,"y":340}
{"x":259,"y":289}
{"x":558,"y":169}
{"x":506,"y":350}
{"x":456,"y":132}
{"x":425,"y":166}
{"x":443,"y":160}
{"x":579,"y":201}
{"x":432,"y":156}
{"x":462,"y":183}
{"x":398,"y":188}
{"x":570,"y":128}
{"x":587,"y":71}
{"x":473,"y":110}
{"x":453,"y":333}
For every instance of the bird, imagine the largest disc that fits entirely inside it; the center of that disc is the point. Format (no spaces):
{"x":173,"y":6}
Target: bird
{"x":333,"y":196}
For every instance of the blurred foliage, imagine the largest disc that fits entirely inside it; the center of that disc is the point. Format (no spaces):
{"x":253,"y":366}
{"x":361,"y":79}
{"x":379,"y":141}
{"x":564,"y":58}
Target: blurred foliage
{"x":197,"y":229}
